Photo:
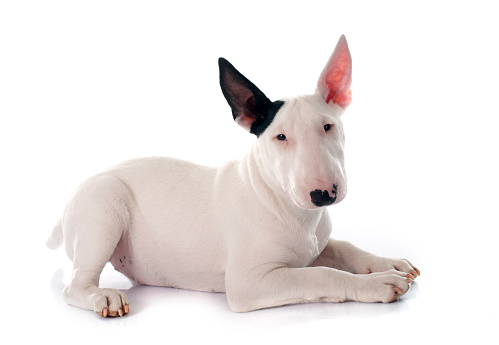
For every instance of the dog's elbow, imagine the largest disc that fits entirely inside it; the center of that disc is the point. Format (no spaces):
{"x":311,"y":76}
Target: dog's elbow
{"x":244,"y":295}
{"x":240,"y":307}
{"x":241,"y":302}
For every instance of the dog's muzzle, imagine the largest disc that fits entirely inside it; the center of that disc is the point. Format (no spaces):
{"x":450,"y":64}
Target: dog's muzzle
{"x":322,"y":198}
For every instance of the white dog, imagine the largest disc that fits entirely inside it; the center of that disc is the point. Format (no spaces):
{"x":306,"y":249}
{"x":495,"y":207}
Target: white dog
{"x":256,"y":229}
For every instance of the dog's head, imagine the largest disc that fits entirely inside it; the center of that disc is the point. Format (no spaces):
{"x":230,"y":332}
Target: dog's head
{"x":300,"y":140}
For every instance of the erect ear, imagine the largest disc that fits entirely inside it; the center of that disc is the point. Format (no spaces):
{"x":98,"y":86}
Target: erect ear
{"x":334,"y":82}
{"x":250,"y":106}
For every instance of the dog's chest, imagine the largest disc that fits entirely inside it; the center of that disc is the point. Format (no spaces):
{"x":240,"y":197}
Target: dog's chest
{"x":314,"y":239}
{"x":310,"y":248}
{"x":304,"y":244}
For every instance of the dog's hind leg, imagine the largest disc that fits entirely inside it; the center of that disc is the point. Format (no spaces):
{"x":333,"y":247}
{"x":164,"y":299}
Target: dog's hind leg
{"x":93,"y":224}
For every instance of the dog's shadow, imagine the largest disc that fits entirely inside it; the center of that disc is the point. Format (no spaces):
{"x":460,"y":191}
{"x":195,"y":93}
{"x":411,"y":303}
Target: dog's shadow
{"x":143,"y":297}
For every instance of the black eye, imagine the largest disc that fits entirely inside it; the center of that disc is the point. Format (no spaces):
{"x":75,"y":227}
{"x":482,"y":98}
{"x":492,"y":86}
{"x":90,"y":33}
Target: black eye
{"x":281,"y":137}
{"x":327,"y":127}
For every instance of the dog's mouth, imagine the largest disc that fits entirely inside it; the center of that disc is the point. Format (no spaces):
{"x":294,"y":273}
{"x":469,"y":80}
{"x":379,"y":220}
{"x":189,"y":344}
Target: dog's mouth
{"x":299,"y":201}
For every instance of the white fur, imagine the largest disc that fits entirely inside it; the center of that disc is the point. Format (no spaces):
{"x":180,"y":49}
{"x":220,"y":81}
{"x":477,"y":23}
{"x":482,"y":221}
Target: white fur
{"x":248,"y":228}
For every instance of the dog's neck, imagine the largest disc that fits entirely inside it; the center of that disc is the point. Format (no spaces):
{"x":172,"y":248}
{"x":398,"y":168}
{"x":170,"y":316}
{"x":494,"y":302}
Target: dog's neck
{"x":269,"y":191}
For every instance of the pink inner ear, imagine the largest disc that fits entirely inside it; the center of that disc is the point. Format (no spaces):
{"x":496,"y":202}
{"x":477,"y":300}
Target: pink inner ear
{"x":343,"y":100}
{"x":336,"y":78}
{"x":245,"y":121}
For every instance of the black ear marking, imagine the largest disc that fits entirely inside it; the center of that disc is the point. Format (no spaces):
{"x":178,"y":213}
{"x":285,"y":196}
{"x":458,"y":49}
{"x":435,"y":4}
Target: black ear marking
{"x":250,"y":107}
{"x":261,"y":125}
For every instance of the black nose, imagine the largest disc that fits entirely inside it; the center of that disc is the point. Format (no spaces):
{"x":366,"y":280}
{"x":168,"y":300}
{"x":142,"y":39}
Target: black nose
{"x":322,"y":198}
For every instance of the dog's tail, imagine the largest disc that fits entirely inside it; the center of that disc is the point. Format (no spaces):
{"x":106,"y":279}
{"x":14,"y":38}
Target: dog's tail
{"x":56,"y":238}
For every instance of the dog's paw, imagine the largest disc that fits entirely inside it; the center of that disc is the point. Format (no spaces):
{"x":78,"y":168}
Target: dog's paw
{"x":110,"y":302}
{"x":380,"y":264}
{"x":383,"y":287}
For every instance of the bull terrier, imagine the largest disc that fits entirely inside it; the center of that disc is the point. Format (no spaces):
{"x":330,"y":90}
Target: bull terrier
{"x":256,"y":229}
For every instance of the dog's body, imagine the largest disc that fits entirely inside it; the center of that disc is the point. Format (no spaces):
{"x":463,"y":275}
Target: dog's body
{"x":255,"y":229}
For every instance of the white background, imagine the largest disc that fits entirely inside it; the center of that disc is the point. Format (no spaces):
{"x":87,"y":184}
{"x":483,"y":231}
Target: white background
{"x":85,"y":85}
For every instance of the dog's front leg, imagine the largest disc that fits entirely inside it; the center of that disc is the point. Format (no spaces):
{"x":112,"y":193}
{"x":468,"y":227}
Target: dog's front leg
{"x":345,"y":256}
{"x":263,"y":288}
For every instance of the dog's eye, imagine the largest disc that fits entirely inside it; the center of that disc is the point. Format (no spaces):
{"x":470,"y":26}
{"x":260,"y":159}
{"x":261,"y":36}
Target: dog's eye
{"x":327,"y":127}
{"x":281,"y":137}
